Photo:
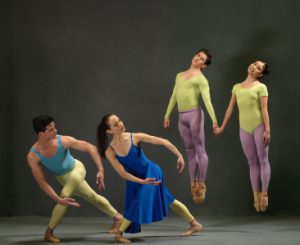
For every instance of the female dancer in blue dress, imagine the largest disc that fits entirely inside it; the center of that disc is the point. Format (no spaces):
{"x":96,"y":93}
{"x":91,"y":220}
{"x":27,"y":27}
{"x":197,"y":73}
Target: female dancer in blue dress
{"x":147,"y":197}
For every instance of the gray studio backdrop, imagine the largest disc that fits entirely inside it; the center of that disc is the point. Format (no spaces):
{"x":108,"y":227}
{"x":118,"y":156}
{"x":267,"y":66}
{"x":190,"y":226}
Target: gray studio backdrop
{"x":78,"y":60}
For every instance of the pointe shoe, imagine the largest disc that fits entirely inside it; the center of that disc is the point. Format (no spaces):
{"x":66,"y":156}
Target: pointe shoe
{"x":200,"y":193}
{"x":193,"y":188}
{"x":51,"y":238}
{"x":193,"y":229}
{"x":257,"y":197}
{"x":119,"y":238}
{"x":264,"y":202}
{"x":115,"y":227}
{"x":111,"y":230}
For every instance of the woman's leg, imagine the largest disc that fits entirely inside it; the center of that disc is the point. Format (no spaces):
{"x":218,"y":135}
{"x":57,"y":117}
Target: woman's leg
{"x":265,"y":169}
{"x":249,"y":148}
{"x":180,"y":209}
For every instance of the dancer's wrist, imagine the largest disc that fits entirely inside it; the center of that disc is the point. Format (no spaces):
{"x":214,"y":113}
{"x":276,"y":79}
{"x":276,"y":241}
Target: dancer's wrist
{"x":180,"y":156}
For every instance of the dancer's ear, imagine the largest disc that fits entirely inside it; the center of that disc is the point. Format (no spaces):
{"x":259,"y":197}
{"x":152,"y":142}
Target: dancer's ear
{"x":108,"y":131}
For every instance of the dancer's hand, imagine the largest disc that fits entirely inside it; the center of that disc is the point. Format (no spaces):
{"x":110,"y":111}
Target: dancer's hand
{"x":100,"y":180}
{"x":267,"y":137}
{"x":67,"y":201}
{"x":180,"y":164}
{"x":151,"y":181}
{"x":166,"y":123}
{"x":218,"y":131}
{"x":214,"y":126}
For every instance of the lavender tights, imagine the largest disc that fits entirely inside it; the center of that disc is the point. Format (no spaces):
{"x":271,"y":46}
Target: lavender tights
{"x":256,"y":153}
{"x":191,"y":129}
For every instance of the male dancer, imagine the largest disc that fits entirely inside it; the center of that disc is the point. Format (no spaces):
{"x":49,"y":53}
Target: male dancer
{"x":52,"y":152}
{"x":190,"y":86}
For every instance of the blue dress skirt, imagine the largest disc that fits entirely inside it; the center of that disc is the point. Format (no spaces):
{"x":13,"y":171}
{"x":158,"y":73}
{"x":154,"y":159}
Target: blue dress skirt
{"x":144,"y":204}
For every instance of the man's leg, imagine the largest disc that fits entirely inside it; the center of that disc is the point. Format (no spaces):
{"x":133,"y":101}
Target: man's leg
{"x":70,"y":182}
{"x":186,"y":137}
{"x":196,"y":124}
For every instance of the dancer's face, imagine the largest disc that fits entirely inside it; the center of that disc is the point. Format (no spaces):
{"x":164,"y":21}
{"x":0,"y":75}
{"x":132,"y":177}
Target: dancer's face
{"x":115,"y":125}
{"x":199,"y":60}
{"x":50,"y":132}
{"x":256,"y":68}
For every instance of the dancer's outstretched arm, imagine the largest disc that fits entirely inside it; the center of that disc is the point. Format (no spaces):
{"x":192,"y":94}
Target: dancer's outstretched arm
{"x":83,"y":146}
{"x":38,"y":175}
{"x":141,"y":137}
{"x":110,"y":156}
{"x":227,"y":116}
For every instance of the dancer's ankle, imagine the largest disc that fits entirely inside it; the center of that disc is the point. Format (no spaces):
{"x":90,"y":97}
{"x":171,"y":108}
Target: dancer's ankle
{"x":50,"y":237}
{"x":120,"y":238}
{"x":118,"y":217}
{"x":194,"y":222}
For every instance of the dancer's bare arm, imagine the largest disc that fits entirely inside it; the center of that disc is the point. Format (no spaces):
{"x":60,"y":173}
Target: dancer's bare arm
{"x":265,"y":113}
{"x":33,"y":162}
{"x":83,"y":146}
{"x":110,"y":155}
{"x":227,"y":116}
{"x":142,"y":137}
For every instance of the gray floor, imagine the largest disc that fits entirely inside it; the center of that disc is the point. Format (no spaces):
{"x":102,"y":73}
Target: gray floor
{"x":218,"y":230}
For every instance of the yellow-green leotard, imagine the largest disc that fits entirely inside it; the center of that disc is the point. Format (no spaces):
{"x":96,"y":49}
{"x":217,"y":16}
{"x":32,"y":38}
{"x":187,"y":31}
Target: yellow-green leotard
{"x":248,"y":100}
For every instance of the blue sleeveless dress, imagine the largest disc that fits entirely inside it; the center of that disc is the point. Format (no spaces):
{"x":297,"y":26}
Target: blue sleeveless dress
{"x":144,"y":204}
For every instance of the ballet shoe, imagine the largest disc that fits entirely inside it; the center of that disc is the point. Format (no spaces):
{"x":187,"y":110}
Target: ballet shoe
{"x":193,"y":188}
{"x":51,"y":238}
{"x":119,"y":238}
{"x":264,"y":202}
{"x":111,"y":230}
{"x":257,"y":197}
{"x":115,"y":227}
{"x":200,"y":193}
{"x":193,"y":229}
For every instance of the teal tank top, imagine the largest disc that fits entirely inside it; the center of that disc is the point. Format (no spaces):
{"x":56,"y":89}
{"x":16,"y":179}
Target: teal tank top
{"x":61,"y":163}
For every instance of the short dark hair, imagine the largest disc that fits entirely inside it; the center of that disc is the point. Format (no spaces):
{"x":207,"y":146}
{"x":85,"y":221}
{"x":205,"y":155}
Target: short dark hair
{"x":41,"y":122}
{"x":209,"y":57}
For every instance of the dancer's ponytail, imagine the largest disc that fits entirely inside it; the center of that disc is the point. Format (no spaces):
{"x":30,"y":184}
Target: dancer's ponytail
{"x":102,"y":138}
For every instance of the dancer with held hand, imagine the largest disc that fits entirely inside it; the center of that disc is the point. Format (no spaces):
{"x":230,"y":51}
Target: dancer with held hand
{"x":251,"y":97}
{"x":190,"y":86}
{"x":147,"y":197}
